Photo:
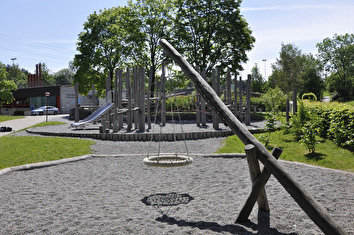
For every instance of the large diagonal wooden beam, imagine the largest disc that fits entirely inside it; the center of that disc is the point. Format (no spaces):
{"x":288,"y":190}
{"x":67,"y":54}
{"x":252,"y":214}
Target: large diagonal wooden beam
{"x":311,"y":207}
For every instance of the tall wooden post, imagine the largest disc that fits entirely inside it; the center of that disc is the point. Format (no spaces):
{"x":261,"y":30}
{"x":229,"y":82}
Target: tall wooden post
{"x":115,"y":100}
{"x":135,"y":95}
{"x":77,"y":118}
{"x":129,"y":97}
{"x":248,"y":101}
{"x":163,"y":96}
{"x":240,"y":102}
{"x":108,"y":87}
{"x":202,"y":104}
{"x":141,"y":99}
{"x":120,"y":98}
{"x":287,"y":108}
{"x":215,"y":81}
{"x":148,"y":105}
{"x":228,"y":87}
{"x":235,"y":96}
{"x":294,"y":101}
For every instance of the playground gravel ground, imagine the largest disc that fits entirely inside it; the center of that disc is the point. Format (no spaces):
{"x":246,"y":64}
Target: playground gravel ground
{"x":103,"y":195}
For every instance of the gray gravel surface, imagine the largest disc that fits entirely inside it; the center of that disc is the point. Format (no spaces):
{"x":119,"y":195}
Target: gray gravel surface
{"x":103,"y":195}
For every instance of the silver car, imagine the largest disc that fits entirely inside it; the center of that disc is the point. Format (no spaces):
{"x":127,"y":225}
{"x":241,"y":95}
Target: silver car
{"x":43,"y":110}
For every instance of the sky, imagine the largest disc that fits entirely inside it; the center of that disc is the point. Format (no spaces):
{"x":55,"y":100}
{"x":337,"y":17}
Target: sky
{"x":34,"y":31}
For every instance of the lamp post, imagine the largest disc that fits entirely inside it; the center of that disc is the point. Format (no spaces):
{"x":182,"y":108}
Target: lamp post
{"x":265,"y":68}
{"x":47,"y":94}
{"x":13,"y":65}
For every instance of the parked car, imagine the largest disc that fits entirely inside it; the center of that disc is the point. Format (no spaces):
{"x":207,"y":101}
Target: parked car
{"x":43,"y":110}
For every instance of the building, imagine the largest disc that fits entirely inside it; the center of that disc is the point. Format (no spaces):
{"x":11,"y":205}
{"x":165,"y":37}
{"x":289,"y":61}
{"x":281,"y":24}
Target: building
{"x":34,"y":96}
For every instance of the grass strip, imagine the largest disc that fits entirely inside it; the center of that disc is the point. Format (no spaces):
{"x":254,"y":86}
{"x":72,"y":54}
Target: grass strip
{"x":4,"y":118}
{"x":327,"y":154}
{"x":20,"y":150}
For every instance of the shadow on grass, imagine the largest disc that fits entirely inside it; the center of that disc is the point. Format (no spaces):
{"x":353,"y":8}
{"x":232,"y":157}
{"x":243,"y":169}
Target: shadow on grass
{"x":315,"y":156}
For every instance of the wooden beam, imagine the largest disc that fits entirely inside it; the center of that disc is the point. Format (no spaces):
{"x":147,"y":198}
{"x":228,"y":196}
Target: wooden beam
{"x":257,"y":187}
{"x":312,"y":208}
{"x":254,"y":169}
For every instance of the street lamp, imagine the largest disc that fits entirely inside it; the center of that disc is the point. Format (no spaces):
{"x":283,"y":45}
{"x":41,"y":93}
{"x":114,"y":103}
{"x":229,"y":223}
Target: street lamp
{"x":13,"y":65}
{"x":47,"y":94}
{"x":265,"y":68}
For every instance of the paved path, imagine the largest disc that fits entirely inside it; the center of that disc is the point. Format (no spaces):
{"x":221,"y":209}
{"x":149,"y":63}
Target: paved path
{"x":27,"y":121}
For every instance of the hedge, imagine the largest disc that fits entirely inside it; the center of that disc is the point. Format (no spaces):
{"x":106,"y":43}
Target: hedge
{"x":334,"y":121}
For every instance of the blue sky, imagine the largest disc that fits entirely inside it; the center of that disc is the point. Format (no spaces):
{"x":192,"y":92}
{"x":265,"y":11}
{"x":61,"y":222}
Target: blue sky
{"x":36,"y":31}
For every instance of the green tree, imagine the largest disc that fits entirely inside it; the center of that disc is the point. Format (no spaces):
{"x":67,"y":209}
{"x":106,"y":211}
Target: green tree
{"x":310,"y":80}
{"x":64,"y":77}
{"x":296,"y":70}
{"x":258,"y":83}
{"x":19,"y":76}
{"x":212,"y":32}
{"x":338,"y":55}
{"x":47,"y":77}
{"x":155,"y":24}
{"x":286,"y":69}
{"x":106,"y":43}
{"x":6,"y":86}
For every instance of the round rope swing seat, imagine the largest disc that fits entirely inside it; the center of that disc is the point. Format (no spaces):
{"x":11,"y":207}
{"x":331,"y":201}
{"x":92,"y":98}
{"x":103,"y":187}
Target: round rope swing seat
{"x":168,"y":160}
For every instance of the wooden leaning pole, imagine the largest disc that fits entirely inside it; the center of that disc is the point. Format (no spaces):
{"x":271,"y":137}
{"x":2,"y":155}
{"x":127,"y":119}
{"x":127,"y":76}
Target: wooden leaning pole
{"x":309,"y":205}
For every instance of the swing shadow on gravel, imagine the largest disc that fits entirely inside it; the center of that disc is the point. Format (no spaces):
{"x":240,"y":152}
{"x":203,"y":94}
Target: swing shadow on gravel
{"x":263,"y":226}
{"x":173,"y":199}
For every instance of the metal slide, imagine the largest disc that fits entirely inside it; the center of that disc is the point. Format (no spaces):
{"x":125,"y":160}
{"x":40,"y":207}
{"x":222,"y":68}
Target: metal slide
{"x":95,"y":115}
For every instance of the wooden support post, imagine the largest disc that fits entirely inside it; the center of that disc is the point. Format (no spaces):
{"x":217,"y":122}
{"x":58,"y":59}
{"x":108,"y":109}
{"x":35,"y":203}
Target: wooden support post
{"x":163,"y":96}
{"x":294,"y":101}
{"x":94,"y":102}
{"x":108,"y":87}
{"x":248,"y":101}
{"x":115,"y":100}
{"x":129,"y":96}
{"x":197,"y":108}
{"x":257,"y":188}
{"x":77,"y":113}
{"x":240,"y":102}
{"x":287,"y":109}
{"x":141,"y":99}
{"x":215,"y":87}
{"x":120,"y":98}
{"x":311,"y":207}
{"x":251,"y":153}
{"x":202,"y":104}
{"x":228,"y":87}
{"x":235,"y":95}
{"x":148,"y":105}
{"x":135,"y":95}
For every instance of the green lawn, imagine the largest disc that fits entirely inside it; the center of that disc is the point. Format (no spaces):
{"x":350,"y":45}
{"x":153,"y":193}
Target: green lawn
{"x":326,"y":155}
{"x":4,"y":118}
{"x":20,"y":150}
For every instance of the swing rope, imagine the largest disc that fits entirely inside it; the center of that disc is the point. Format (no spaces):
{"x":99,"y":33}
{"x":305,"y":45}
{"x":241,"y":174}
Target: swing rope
{"x":165,"y":159}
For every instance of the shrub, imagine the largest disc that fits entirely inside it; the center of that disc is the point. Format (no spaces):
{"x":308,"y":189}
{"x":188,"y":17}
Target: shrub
{"x":19,"y":113}
{"x":309,"y":96}
{"x":308,"y":137}
{"x":334,"y":121}
{"x":273,"y":99}
{"x":299,"y":120}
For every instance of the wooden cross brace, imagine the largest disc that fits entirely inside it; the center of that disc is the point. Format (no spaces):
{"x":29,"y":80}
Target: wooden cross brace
{"x":259,"y":179}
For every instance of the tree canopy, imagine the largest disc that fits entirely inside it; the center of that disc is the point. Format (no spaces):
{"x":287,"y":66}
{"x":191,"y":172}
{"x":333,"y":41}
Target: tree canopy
{"x":212,"y":33}
{"x":338,"y":55}
{"x":293,"y":69}
{"x":106,"y":43}
{"x":6,"y":86}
